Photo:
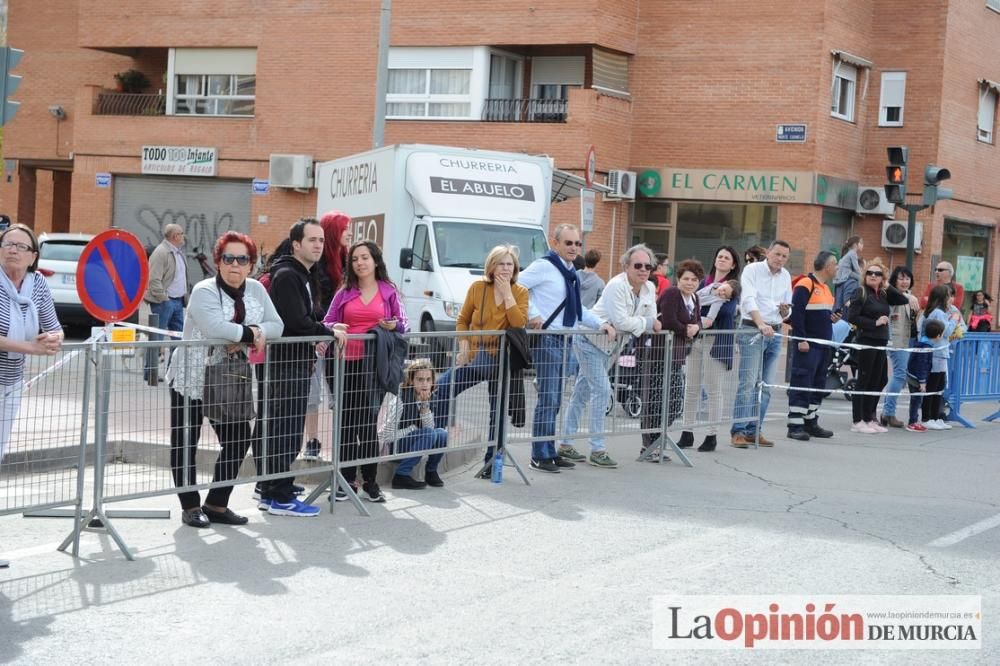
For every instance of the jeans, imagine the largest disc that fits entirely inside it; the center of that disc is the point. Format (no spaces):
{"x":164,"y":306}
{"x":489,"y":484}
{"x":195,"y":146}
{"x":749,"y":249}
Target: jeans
{"x":484,"y":367}
{"x":548,"y":360}
{"x":898,"y":360}
{"x":592,"y":388}
{"x":750,"y":344}
{"x":171,"y":318}
{"x":421,"y":440}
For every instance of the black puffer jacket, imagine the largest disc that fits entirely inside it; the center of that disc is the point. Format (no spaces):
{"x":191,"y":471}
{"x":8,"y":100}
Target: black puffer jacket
{"x":867,"y":306}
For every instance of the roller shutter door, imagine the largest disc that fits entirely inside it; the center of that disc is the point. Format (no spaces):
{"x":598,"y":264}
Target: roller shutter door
{"x":205,"y":208}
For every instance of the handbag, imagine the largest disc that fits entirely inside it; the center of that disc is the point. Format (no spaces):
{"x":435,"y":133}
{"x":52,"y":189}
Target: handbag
{"x":228,"y":394}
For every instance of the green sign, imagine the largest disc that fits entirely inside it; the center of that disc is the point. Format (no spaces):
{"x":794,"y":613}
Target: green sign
{"x":969,"y":273}
{"x":649,"y":183}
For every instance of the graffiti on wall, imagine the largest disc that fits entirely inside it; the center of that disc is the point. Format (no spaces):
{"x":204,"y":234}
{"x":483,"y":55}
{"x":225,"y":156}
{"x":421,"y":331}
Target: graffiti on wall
{"x":201,"y":229}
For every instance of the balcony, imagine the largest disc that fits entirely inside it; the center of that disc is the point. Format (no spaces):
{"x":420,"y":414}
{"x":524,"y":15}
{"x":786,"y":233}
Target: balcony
{"x":525,"y":110}
{"x":109,"y":103}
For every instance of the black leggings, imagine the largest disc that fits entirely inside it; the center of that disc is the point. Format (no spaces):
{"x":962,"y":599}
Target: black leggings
{"x":872,"y":376}
{"x":359,"y":418}
{"x":234,"y":438}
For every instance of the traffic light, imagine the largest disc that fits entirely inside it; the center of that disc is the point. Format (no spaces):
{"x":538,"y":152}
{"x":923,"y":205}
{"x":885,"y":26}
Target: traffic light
{"x":933,"y":192}
{"x":8,"y":82}
{"x":895,"y":174}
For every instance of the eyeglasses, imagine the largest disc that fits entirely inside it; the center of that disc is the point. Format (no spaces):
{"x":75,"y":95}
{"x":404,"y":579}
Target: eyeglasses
{"x":20,"y":247}
{"x":230,"y":259}
{"x":570,"y":243}
{"x":940,"y":270}
{"x":643,"y":267}
{"x":875,"y":273}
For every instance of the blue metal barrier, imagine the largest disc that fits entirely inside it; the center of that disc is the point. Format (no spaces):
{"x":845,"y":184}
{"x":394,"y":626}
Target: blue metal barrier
{"x":973,"y":374}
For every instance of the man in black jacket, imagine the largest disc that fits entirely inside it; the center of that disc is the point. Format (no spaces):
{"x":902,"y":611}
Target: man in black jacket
{"x":294,"y":291}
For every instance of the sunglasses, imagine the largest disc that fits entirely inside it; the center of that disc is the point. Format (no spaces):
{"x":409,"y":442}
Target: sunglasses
{"x":230,"y":259}
{"x":875,"y":273}
{"x":643,"y":267}
{"x":940,"y":270}
{"x":570,"y":243}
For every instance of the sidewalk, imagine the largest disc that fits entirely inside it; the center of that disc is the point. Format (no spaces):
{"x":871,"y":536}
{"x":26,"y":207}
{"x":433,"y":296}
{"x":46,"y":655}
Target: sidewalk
{"x":562,"y":570}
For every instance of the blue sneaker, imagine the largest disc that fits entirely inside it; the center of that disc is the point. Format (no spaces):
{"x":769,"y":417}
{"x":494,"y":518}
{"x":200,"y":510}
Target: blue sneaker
{"x":294,"y":508}
{"x":263,"y":504}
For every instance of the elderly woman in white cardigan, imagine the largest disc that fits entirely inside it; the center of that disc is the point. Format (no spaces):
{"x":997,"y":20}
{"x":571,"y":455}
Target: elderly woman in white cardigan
{"x":227,"y":307}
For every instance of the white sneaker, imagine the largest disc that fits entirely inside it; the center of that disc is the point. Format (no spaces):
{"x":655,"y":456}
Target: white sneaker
{"x":876,"y":427}
{"x":944,"y":424}
{"x":932,"y":425}
{"x":862,"y":428}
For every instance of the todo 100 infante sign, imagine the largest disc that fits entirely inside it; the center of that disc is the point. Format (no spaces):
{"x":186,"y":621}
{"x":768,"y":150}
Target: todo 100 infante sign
{"x":179,"y":160}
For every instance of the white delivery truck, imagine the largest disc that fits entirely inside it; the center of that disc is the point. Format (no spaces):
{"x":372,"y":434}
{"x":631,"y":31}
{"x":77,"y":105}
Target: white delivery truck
{"x":436,"y":212}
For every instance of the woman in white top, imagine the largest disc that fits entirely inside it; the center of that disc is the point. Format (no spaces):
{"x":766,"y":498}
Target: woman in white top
{"x":227,"y":307}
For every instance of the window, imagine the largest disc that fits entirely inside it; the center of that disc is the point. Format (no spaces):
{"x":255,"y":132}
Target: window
{"x":987,"y":111}
{"x":428,"y":93}
{"x":212,"y":82}
{"x":610,"y":72}
{"x":421,"y":249}
{"x":891,"y":106}
{"x":845,"y":82}
{"x":504,"y":74}
{"x":993,"y":4}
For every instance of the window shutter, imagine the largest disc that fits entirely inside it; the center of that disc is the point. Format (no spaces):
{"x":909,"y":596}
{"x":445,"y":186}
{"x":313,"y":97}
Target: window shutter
{"x":893,"y":95}
{"x":610,"y":71}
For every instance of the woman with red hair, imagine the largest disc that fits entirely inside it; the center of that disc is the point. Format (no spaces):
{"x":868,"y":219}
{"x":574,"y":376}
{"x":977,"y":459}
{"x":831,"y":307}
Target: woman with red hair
{"x":330,"y":275}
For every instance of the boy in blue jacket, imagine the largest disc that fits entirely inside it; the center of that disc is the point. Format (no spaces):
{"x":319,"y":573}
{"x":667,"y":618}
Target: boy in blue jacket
{"x":919,"y":370}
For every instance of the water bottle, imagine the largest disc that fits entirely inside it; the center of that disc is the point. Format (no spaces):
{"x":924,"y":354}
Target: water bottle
{"x":497,"y":476}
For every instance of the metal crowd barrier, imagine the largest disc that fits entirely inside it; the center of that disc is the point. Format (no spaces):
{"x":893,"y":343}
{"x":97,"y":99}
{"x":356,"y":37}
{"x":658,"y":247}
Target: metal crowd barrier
{"x":973,"y":374}
{"x":90,"y":405}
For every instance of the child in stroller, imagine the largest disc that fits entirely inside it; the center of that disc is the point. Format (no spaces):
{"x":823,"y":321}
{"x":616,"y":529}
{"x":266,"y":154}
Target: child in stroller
{"x":842,"y":371}
{"x":624,"y":377}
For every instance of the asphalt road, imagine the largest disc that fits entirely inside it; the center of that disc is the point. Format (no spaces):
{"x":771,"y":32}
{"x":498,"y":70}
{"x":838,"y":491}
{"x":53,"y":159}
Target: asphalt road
{"x":564,"y":570}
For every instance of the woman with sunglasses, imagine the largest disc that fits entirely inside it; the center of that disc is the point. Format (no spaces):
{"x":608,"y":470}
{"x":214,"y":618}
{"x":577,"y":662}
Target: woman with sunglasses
{"x":231,"y":307}
{"x":28,"y":323}
{"x":870,"y":310}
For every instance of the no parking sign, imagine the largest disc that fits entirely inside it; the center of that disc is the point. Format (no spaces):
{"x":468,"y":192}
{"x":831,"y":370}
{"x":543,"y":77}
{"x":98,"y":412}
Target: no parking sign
{"x":111,"y":275}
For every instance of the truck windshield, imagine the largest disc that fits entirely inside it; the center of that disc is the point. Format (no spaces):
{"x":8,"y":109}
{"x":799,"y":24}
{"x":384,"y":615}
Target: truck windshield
{"x":466,"y":244}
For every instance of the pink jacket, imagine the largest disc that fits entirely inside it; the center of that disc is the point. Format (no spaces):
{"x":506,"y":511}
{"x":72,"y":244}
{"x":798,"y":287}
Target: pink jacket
{"x":390,"y":299}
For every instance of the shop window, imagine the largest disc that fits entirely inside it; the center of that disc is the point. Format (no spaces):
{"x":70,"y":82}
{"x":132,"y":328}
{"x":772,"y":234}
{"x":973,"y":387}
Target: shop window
{"x":212,"y":82}
{"x":891,"y":99}
{"x":703,"y":227}
{"x":967,"y":247}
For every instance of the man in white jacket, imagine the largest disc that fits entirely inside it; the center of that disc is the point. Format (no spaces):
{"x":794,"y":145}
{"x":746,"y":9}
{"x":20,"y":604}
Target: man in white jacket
{"x":628,"y":303}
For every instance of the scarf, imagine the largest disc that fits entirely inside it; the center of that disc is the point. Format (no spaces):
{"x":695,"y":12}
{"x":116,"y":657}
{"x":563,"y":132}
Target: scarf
{"x":573,"y":312}
{"x":240,"y":311}
{"x":23,"y":321}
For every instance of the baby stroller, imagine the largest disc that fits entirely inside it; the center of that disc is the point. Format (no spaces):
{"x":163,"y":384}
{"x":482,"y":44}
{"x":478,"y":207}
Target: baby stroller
{"x":624,"y":377}
{"x":842,"y":371}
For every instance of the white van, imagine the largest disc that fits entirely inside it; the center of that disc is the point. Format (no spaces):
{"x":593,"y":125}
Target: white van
{"x":436,"y":212}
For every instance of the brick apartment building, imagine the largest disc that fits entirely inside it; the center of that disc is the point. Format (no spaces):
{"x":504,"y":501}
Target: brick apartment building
{"x":744,"y":121}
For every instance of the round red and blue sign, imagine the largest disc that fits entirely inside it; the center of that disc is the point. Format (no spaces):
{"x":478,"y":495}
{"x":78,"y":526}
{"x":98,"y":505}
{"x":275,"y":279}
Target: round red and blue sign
{"x":111,"y":275}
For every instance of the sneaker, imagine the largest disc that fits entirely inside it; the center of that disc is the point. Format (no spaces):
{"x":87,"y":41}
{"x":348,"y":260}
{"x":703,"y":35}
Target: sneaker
{"x":944,"y":424}
{"x":932,"y":425}
{"x":559,"y":461}
{"x":294,"y":508}
{"x":340,"y":496}
{"x":263,"y":504}
{"x":655,"y":453}
{"x":545,"y":466}
{"x":4,"y":564}
{"x":862,"y":428}
{"x":569,"y":453}
{"x":373,"y":493}
{"x":916,"y":427}
{"x":296,"y":490}
{"x":256,"y":492}
{"x":740,"y":441}
{"x":876,"y":427}
{"x":602,"y":459}
{"x":312,"y":450}
{"x":406,"y":482}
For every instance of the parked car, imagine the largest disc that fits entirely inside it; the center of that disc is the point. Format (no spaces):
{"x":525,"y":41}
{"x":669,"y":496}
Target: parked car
{"x":57,"y":259}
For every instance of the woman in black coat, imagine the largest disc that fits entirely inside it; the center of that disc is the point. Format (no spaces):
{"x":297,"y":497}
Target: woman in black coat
{"x":869,"y":312}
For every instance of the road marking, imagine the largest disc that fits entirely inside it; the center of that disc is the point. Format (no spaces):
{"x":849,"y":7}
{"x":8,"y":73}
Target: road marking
{"x":30,"y":551}
{"x":966,"y":532}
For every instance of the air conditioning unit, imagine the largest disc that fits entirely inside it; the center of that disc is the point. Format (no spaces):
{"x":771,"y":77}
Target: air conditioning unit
{"x":622,"y":184}
{"x":894,"y":234}
{"x":872,"y":201}
{"x":294,"y":171}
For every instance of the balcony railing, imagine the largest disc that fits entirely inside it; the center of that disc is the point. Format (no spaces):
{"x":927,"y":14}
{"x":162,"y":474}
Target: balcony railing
{"x":130,"y":104}
{"x":525,"y":110}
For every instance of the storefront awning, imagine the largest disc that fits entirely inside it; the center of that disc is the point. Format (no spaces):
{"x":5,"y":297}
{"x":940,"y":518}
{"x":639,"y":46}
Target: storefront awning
{"x":851,"y":59}
{"x":566,"y":185}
